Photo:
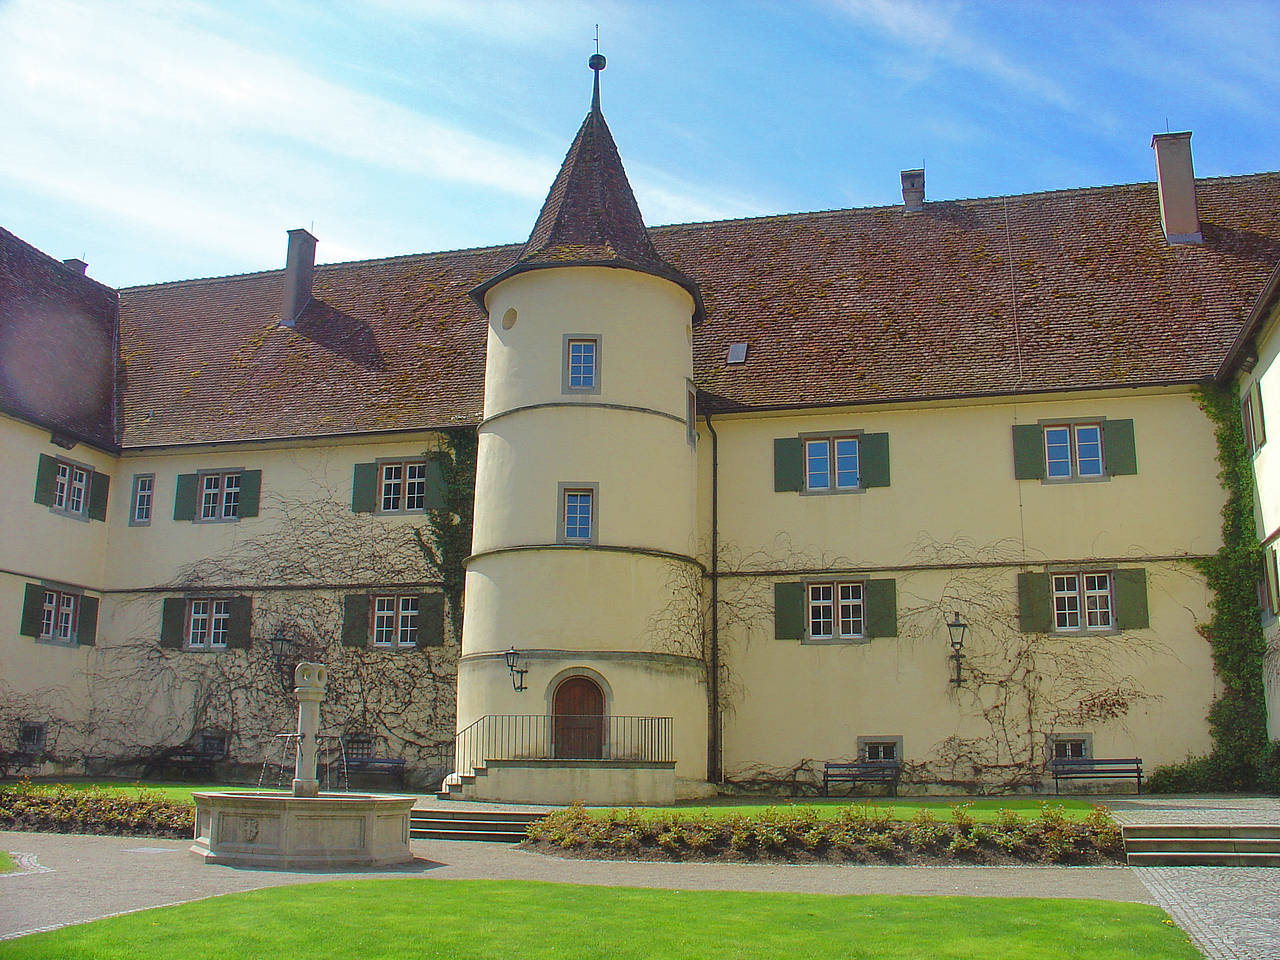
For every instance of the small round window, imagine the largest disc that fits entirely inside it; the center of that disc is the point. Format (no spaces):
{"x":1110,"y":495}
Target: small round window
{"x":509,"y":318}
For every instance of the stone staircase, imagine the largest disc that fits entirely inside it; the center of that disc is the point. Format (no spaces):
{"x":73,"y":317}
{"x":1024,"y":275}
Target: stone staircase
{"x":455,"y":788}
{"x":498,"y":826}
{"x":1202,"y":844}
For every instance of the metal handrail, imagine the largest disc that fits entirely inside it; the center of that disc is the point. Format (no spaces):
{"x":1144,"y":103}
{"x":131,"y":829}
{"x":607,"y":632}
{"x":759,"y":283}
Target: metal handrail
{"x":561,"y":737}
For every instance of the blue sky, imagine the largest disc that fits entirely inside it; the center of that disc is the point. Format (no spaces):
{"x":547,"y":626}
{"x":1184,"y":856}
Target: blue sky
{"x":161,"y":141}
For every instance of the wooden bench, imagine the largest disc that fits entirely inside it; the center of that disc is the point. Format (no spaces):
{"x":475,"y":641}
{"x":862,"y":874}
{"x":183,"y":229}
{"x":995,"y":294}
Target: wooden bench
{"x":195,"y":759}
{"x":1091,"y":768}
{"x":360,"y":758}
{"x":862,"y":771}
{"x":17,"y":761}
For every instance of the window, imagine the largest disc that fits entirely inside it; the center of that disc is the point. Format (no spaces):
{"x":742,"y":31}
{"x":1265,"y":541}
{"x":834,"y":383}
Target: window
{"x":1082,"y":601}
{"x":31,"y":737}
{"x":835,"y":611}
{"x":395,"y":621}
{"x":1255,"y":427}
{"x":1069,"y":450}
{"x":58,"y":616}
{"x":831,"y":463}
{"x":403,"y":486}
{"x":70,"y":485}
{"x":1073,"y":450}
{"x":880,"y":749}
{"x":691,"y":413}
{"x":208,"y":624}
{"x":578,"y":505}
{"x":140,"y":505}
{"x":1070,"y":746}
{"x":219,"y":496}
{"x":581,"y":372}
{"x":72,"y":489}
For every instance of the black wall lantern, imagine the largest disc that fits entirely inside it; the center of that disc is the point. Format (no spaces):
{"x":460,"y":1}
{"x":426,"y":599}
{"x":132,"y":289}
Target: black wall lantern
{"x":517,"y":675}
{"x":281,"y":643}
{"x":957,"y":628}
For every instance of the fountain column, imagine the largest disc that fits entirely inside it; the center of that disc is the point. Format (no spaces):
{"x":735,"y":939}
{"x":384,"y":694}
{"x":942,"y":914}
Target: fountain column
{"x":309,"y":684}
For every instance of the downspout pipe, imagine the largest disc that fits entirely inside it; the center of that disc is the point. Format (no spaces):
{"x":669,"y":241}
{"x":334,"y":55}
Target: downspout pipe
{"x":714,"y":772}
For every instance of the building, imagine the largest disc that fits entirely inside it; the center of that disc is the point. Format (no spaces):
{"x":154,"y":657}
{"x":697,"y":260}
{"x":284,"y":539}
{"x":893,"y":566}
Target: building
{"x":732,"y":481}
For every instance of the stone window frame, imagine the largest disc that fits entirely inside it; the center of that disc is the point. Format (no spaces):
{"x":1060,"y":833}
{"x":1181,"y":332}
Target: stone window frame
{"x":865,"y":742}
{"x":567,"y":340}
{"x":563,"y":490}
{"x":134,"y":500}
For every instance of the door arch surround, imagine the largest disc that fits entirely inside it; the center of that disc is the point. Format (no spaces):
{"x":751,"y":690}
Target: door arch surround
{"x":578,"y":706}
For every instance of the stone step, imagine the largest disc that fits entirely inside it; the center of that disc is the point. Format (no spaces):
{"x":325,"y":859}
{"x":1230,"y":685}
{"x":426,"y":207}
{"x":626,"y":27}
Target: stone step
{"x":490,"y":836}
{"x":1137,"y":831}
{"x":1168,"y":858}
{"x":503,"y":816}
{"x":1202,"y":845}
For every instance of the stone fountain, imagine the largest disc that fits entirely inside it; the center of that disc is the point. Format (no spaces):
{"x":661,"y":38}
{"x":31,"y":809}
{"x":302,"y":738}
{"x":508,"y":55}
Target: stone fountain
{"x":305,"y":828}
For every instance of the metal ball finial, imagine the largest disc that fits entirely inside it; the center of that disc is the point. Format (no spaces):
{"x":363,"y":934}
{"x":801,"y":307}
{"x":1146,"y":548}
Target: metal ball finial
{"x":596,"y":62}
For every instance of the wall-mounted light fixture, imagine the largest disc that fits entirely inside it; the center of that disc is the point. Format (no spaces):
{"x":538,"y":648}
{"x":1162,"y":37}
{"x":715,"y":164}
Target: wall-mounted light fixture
{"x":517,"y":675}
{"x":957,"y":628}
{"x":281,"y":645}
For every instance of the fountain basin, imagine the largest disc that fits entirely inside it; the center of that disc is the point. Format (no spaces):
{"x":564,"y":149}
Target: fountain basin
{"x":279,"y":830}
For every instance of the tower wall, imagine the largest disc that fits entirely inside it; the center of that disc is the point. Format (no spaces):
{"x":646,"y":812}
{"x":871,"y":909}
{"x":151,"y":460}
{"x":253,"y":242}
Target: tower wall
{"x":618,"y":609}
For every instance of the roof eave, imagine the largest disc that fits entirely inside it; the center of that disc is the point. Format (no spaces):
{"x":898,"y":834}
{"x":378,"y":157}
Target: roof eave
{"x":1261,"y":307}
{"x":478,"y":293}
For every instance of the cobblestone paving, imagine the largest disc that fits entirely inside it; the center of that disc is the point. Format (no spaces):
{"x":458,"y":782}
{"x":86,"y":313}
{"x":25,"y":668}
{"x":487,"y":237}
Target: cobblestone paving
{"x":1231,"y":913}
{"x":1213,"y":810}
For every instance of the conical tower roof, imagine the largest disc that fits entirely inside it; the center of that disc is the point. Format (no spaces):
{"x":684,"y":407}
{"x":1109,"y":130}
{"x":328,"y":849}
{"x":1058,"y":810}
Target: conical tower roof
{"x":590,"y":217}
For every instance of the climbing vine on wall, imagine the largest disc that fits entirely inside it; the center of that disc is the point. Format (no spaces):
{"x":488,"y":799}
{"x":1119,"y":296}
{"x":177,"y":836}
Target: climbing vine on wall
{"x":1241,"y":758}
{"x":449,"y":543}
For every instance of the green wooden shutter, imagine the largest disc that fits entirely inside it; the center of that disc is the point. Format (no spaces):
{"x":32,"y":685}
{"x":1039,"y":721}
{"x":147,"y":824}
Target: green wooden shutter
{"x":1118,"y":450}
{"x":99,"y":484}
{"x":250,"y":493}
{"x":881,"y":601}
{"x":355,"y":620}
{"x":1034,"y":615}
{"x":873,"y":461}
{"x":1131,"y":599}
{"x":184,"y":497}
{"x":431,"y":620}
{"x":239,"y":622}
{"x":1256,"y":390}
{"x":87,"y":628}
{"x":364,"y":488}
{"x":1028,"y":451}
{"x":173,"y":621}
{"x":788,"y":464}
{"x":788,"y":611}
{"x":435,"y":483}
{"x":32,"y":610}
{"x":46,"y":480}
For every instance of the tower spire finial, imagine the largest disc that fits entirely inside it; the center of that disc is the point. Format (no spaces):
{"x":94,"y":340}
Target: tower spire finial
{"x":596,"y":63}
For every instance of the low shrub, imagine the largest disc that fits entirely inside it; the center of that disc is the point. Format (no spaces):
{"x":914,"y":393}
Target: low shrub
{"x":61,"y":809}
{"x":856,"y":832}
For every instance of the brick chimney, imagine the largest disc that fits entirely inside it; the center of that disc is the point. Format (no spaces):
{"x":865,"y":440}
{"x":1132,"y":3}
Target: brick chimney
{"x":1177,"y":181}
{"x":913,"y":190}
{"x":79,"y":266}
{"x":298,"y":268}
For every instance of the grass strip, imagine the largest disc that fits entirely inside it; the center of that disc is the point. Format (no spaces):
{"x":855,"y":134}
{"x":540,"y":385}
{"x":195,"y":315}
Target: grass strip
{"x":6,"y":863}
{"x":409,"y":919}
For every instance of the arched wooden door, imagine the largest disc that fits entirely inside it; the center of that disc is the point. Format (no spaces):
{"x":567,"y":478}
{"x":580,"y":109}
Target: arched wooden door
{"x":578,"y":722}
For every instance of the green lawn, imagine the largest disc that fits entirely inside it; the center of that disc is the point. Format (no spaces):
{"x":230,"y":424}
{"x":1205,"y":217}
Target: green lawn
{"x":409,"y":919}
{"x":6,"y":862}
{"x":983,"y":810}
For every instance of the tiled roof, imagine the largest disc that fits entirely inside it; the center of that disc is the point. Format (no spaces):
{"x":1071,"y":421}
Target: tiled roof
{"x":57,"y":344}
{"x":590,"y":217}
{"x":1067,"y":290}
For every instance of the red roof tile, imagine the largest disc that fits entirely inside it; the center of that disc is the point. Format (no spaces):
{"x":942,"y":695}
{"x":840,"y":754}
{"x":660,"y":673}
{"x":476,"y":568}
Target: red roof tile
{"x":1067,"y":290}
{"x":57,"y":344}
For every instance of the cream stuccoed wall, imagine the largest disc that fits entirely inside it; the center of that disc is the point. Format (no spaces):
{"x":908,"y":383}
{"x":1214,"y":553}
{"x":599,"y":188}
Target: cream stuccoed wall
{"x":953,"y":530}
{"x":1266,"y":472}
{"x":952,"y":482}
{"x":297,"y":476}
{"x":585,"y":609}
{"x":41,"y":681}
